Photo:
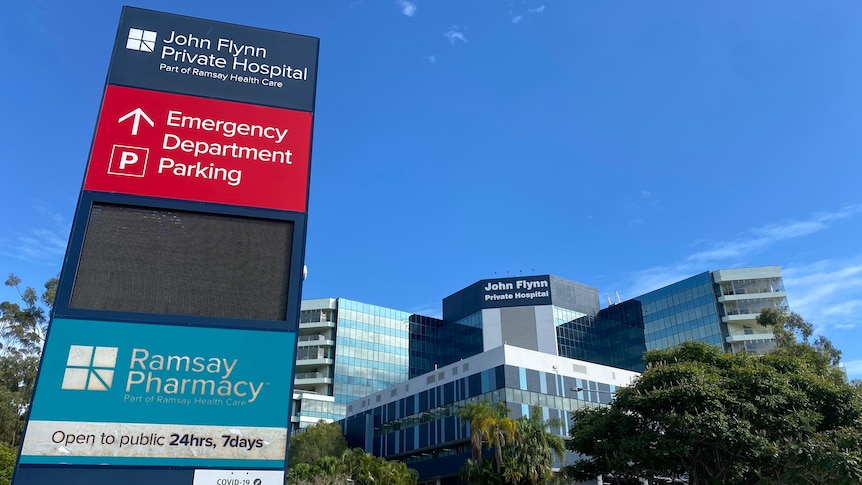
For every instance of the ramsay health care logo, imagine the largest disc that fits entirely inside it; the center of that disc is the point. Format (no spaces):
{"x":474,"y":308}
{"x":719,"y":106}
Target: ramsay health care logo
{"x":141,"y":40}
{"x":90,"y":368}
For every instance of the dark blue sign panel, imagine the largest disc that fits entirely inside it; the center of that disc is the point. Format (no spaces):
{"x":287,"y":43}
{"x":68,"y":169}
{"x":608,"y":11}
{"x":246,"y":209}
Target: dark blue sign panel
{"x":519,"y":291}
{"x":186,"y":55}
{"x":498,"y":293}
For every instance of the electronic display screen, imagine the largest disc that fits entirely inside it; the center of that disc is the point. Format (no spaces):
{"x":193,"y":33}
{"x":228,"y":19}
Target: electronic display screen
{"x":165,"y":261}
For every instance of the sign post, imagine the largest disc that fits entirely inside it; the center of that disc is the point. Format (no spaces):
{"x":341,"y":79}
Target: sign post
{"x":171,"y":351}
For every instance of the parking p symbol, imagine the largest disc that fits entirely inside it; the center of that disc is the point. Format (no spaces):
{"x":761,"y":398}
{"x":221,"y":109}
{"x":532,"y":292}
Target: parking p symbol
{"x":128,"y":158}
{"x":128,"y":161}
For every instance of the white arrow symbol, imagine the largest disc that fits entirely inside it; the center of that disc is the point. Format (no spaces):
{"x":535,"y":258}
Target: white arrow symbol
{"x":138,"y":113}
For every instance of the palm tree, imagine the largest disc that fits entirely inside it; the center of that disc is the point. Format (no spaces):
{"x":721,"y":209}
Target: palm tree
{"x":499,"y":431}
{"x":530,"y":458}
{"x":478,"y":415}
{"x":489,"y":425}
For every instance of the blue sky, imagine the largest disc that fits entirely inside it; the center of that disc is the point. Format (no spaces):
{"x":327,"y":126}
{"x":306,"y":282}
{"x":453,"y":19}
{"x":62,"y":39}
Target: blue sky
{"x":624,"y":145}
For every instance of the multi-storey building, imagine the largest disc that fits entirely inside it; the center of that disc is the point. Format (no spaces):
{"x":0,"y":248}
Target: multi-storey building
{"x":542,"y":340}
{"x":716,"y":307}
{"x":417,"y":421}
{"x":742,"y":294}
{"x":346,"y":350}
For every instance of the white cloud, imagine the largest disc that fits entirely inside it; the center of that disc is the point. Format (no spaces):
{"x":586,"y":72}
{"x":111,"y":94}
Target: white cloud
{"x":827,"y":291}
{"x":45,"y":243}
{"x":432,"y":59}
{"x":429,"y":310}
{"x":770,"y":234}
{"x":40,"y":244}
{"x":517,"y":18}
{"x":655,"y":278}
{"x":853,"y":368}
{"x":407,"y":8}
{"x":454,"y":34}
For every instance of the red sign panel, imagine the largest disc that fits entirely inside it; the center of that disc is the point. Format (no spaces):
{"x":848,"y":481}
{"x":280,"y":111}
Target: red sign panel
{"x":184,"y":147}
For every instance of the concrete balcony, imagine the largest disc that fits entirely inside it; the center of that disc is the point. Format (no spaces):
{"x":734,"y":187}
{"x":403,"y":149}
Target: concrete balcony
{"x":314,"y":340}
{"x":311,"y":378}
{"x":772,"y":295}
{"x":316,"y":362}
{"x":316,"y":325}
{"x":748,"y":335}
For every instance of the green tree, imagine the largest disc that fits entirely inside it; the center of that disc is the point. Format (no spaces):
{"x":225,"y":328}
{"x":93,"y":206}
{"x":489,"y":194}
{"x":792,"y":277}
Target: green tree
{"x":22,"y":333}
{"x":354,"y":466}
{"x":499,"y":432}
{"x":530,"y":458}
{"x":791,"y":330}
{"x":491,"y":426}
{"x":315,"y":442}
{"x":23,"y":328}
{"x":480,"y":473}
{"x":523,"y":449}
{"x":305,"y":474}
{"x":706,"y":417}
{"x":478,"y":415}
{"x":8,"y":456}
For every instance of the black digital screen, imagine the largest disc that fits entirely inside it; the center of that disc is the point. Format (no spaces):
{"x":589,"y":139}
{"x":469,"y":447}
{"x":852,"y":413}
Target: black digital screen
{"x":165,"y":261}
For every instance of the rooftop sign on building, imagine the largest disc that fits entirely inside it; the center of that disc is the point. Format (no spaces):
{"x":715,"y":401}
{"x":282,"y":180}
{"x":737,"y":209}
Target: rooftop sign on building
{"x":498,"y":293}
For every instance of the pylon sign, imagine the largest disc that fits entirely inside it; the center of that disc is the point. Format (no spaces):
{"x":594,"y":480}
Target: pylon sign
{"x":171,"y":351}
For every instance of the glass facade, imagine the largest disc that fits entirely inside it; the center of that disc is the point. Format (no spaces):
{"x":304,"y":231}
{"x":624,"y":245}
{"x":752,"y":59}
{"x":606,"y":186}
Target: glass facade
{"x":372,"y":350}
{"x":424,"y":344}
{"x":313,"y":408}
{"x":719,"y":308}
{"x":426,"y":425}
{"x":434,"y":342}
{"x":619,"y":335}
{"x":614,"y":338}
{"x":683,"y":311}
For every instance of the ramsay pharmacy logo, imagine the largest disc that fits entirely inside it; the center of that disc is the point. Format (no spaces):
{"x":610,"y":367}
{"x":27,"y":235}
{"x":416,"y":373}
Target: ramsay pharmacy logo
{"x":90,"y":368}
{"x":141,"y":40}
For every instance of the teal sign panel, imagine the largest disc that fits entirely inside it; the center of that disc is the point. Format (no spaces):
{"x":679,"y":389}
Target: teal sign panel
{"x":131,"y":394}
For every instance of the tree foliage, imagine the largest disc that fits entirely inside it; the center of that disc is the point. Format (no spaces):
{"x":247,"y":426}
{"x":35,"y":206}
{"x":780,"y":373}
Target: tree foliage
{"x":315,"y":442}
{"x":23,"y":327}
{"x":702,"y":416}
{"x":793,"y":333}
{"x":490,"y":426}
{"x":353,"y":466}
{"x":8,"y":456}
{"x":530,"y":458}
{"x":476,"y":413}
{"x":319,"y":456}
{"x":22,"y":333}
{"x":523,"y":449}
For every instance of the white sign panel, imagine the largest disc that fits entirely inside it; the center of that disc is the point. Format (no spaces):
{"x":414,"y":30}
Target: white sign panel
{"x":239,"y":477}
